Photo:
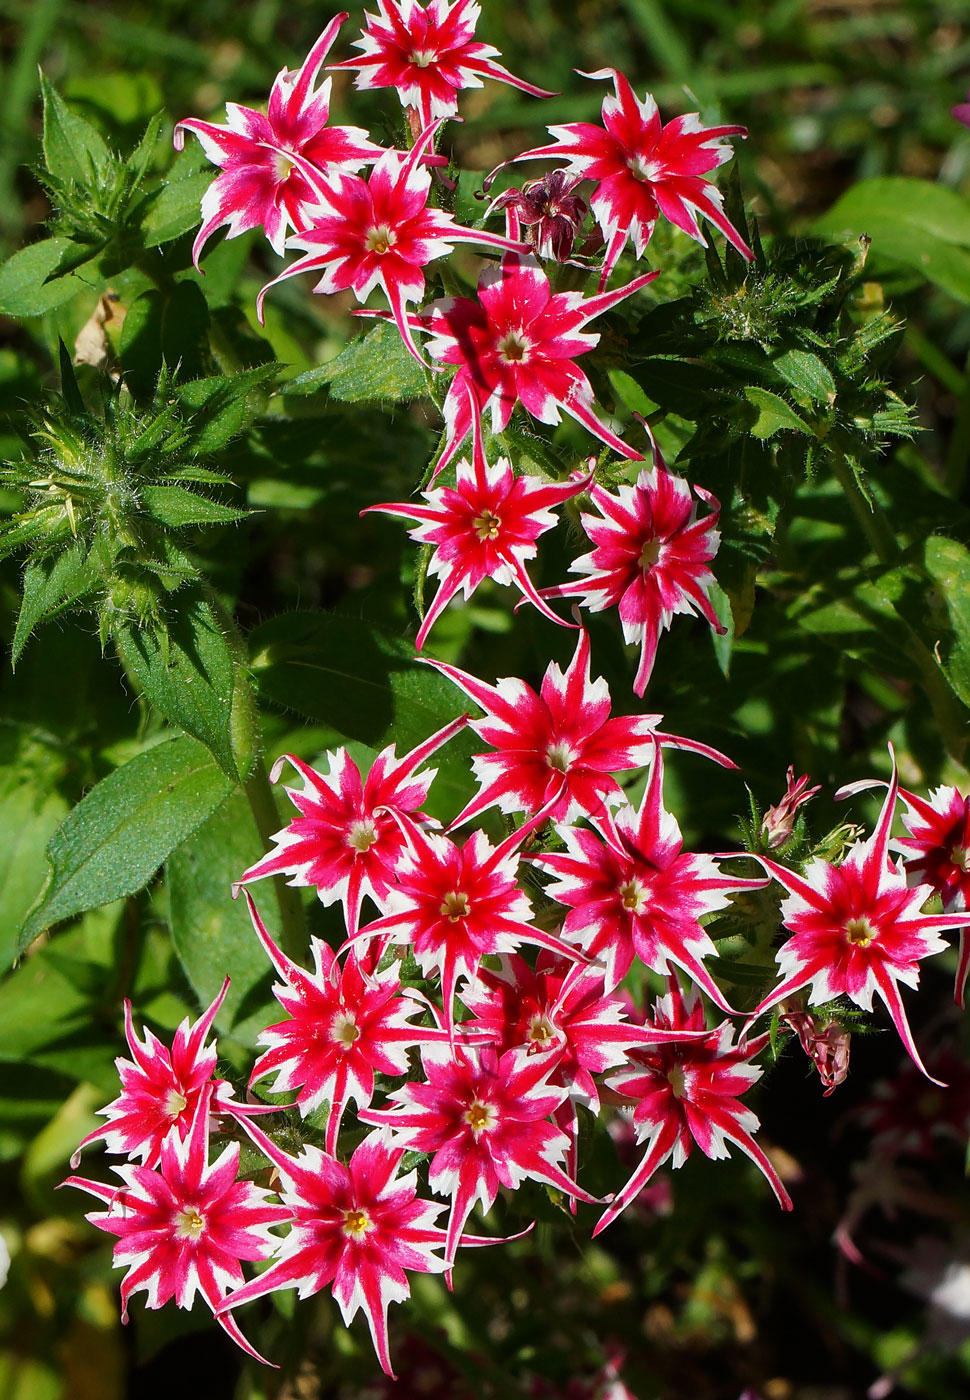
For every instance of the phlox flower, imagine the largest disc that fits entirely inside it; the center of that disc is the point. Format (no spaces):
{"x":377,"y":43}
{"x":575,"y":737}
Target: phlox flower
{"x":650,"y":558}
{"x":345,"y":841}
{"x":688,"y":1093}
{"x":184,"y":1228}
{"x":357,"y":1227}
{"x":428,"y":54}
{"x":636,"y":893}
{"x":516,"y":344}
{"x":452,"y":905}
{"x":484,"y":1117}
{"x":273,"y":163}
{"x":549,"y":210}
{"x":361,"y":234}
{"x":161,"y":1088}
{"x":486,"y":526}
{"x":559,"y":748}
{"x":937,"y":853}
{"x":856,"y":928}
{"x":643,"y":169}
{"x":346,"y":1023}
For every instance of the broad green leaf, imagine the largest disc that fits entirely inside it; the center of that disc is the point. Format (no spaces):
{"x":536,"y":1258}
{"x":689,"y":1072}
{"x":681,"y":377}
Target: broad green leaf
{"x":948,"y":565}
{"x":187,"y":672}
{"x":49,"y":587}
{"x":73,"y":148}
{"x":177,"y":506}
{"x":31,"y":810}
{"x":629,"y":392}
{"x":361,"y":681}
{"x":377,"y":366}
{"x":807,"y":375}
{"x":178,"y":208}
{"x":774,"y":414}
{"x":24,"y":288}
{"x":222,"y":407}
{"x":163,"y":327}
{"x":110,"y":845}
{"x":212,"y":932}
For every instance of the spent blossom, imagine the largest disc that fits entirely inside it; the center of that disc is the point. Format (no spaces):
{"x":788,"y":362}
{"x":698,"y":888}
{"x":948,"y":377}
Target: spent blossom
{"x":550,"y":211}
{"x":274,"y":163}
{"x":778,"y":822}
{"x":427,"y":54}
{"x":643,"y":169}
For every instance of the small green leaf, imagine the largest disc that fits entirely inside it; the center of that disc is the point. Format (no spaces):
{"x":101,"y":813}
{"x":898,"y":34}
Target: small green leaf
{"x":29,"y":816}
{"x":221,"y":407}
{"x":178,"y":207}
{"x":377,"y":366}
{"x":186,"y":671}
{"x":178,"y":506}
{"x":774,"y":414}
{"x":806,"y":374}
{"x":629,"y":392}
{"x":24,"y":286}
{"x":51,"y":586}
{"x":73,"y":149}
{"x":110,"y":845}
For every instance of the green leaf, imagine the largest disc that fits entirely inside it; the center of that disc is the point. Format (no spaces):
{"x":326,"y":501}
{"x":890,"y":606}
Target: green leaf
{"x":30,"y":813}
{"x":110,"y":845}
{"x":221,"y":407}
{"x":177,"y":506}
{"x":212,"y":933}
{"x":24,"y":286}
{"x":73,"y":149}
{"x":806,"y":374}
{"x":364,"y":683}
{"x":163,"y":327}
{"x":948,"y":565}
{"x":178,"y":208}
{"x":377,"y":366}
{"x":187,"y":672}
{"x":629,"y":392}
{"x":919,"y":223}
{"x":49,"y":587}
{"x":774,"y":414}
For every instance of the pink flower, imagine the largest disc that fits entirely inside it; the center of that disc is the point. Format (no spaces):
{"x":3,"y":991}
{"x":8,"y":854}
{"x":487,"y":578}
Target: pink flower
{"x":857,"y":930}
{"x":962,"y":111}
{"x":688,"y":1093}
{"x":484,"y":1118}
{"x":346,"y":841}
{"x":452,"y":905}
{"x":361,"y":234}
{"x":637,"y":894}
{"x":644,"y":169}
{"x":560,"y":746}
{"x":346,"y":1023}
{"x":357,"y":1227}
{"x":428,"y":55}
{"x":184,"y":1228}
{"x":486,"y":526}
{"x":939,"y":839}
{"x":779,"y":821}
{"x":273,"y":164}
{"x":516,"y":344}
{"x":550,"y":210}
{"x":161,"y":1088}
{"x":650,"y":559}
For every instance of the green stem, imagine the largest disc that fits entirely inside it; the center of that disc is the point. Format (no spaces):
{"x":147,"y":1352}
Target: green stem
{"x":958,"y":452}
{"x":870,"y":515}
{"x":262,"y":804}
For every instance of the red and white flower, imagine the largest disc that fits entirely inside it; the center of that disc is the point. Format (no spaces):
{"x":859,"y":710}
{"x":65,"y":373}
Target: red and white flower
{"x":644,"y":168}
{"x":650,"y":558}
{"x":357,"y":1227}
{"x":346,"y":1024}
{"x":346,"y":841}
{"x":857,"y":930}
{"x":428,"y":54}
{"x":484,"y":1118}
{"x":937,"y":853}
{"x":361,"y":234}
{"x":184,"y":1228}
{"x":274,"y":164}
{"x":688,"y":1093}
{"x":637,"y":894}
{"x":560,"y":747}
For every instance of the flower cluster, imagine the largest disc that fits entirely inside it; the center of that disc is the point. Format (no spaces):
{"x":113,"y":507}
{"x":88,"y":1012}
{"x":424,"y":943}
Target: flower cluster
{"x":491,"y":983}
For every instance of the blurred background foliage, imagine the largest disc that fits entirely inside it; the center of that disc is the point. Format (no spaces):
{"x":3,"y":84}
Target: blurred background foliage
{"x":716,"y":1294}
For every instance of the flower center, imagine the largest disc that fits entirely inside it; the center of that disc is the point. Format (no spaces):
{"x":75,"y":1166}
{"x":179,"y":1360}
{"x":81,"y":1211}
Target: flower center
{"x":422,"y":58}
{"x":860,"y":932}
{"x":487,"y":526}
{"x":481,"y":1117}
{"x":650,"y":553}
{"x":455,"y":906}
{"x":648,"y":171}
{"x":514,"y":348}
{"x":189,"y":1223}
{"x":379,"y":239}
{"x":343,"y":1030}
{"x":362,"y":836}
{"x":175,"y":1103}
{"x":559,"y":756}
{"x":677,"y":1079}
{"x":633,"y":896}
{"x":283,"y":165}
{"x":356,"y":1224}
{"x":541,"y":1030}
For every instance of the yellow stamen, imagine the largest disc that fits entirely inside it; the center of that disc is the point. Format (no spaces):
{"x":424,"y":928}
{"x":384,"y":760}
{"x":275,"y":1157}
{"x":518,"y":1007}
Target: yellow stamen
{"x":455,"y":906}
{"x":356,"y":1224}
{"x":860,"y":931}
